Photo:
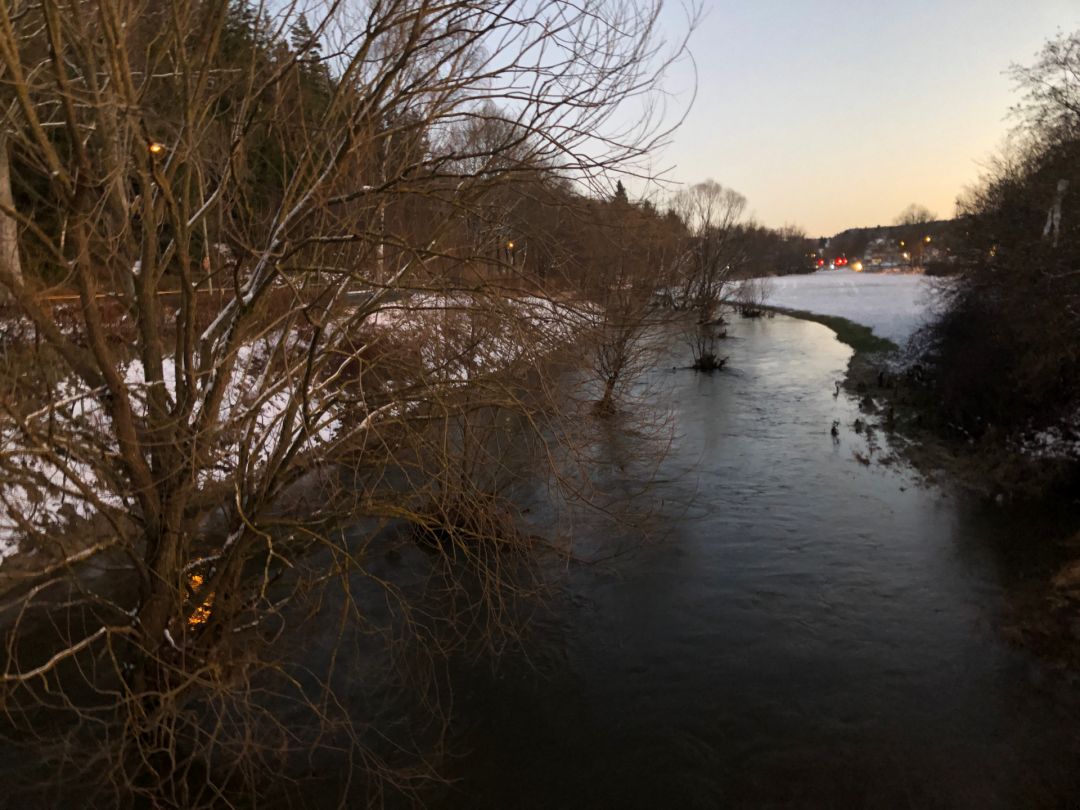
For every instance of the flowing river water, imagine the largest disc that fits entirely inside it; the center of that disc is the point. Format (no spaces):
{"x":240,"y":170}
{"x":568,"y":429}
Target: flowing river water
{"x":781,"y":626}
{"x":799,"y":630}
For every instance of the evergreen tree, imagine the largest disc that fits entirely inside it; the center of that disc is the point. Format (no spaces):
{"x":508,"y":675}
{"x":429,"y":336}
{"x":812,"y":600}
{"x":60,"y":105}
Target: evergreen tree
{"x":620,"y":193}
{"x":304,"y":42}
{"x":240,"y":24}
{"x":313,"y":70}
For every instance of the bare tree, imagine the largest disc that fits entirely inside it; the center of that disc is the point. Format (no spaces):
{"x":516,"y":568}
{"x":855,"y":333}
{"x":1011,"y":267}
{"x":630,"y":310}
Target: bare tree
{"x":915,"y":214}
{"x":628,"y":248}
{"x":914,"y":236}
{"x":713,"y":215}
{"x":1005,"y":347}
{"x":751,"y":295}
{"x":205,"y":448}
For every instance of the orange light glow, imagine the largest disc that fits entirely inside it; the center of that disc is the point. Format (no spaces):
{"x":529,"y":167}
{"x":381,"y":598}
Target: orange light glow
{"x":201,"y":614}
{"x":156,"y":148}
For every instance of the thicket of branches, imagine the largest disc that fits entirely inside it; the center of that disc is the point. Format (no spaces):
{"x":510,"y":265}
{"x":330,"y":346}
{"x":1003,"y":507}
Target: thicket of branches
{"x":269,"y":271}
{"x":1008,"y":348}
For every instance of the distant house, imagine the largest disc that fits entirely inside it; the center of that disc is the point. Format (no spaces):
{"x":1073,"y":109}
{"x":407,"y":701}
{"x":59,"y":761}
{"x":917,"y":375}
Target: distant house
{"x":882,"y":254}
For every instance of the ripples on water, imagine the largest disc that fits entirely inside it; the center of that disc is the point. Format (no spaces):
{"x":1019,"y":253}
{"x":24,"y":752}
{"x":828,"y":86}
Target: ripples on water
{"x":799,"y":631}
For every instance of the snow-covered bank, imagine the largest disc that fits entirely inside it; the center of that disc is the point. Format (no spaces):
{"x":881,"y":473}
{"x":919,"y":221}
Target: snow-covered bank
{"x":1060,"y":442}
{"x":59,"y":462}
{"x":894,"y":306}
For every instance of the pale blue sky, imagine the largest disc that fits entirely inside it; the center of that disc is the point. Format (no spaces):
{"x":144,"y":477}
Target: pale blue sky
{"x":836,"y":113}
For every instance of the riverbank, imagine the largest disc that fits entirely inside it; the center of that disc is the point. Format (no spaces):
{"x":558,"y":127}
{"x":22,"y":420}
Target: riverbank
{"x":899,"y":398}
{"x":988,"y":467}
{"x":1045,"y":612}
{"x":860,"y":338}
{"x":771,"y":547}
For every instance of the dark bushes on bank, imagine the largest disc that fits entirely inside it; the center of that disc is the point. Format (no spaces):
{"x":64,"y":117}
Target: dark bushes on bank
{"x":1006,"y":351}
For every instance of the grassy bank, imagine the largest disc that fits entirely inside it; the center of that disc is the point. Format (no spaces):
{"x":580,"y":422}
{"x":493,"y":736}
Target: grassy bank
{"x":905,"y":410}
{"x":1044,"y":614}
{"x":860,"y":338}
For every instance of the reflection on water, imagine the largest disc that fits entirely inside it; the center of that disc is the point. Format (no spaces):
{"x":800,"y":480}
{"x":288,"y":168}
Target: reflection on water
{"x":805,"y":631}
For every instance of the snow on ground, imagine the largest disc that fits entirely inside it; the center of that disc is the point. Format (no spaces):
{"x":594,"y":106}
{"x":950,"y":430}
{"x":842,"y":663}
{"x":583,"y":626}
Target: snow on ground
{"x":45,"y":490}
{"x":1059,"y":442}
{"x":893,"y":305}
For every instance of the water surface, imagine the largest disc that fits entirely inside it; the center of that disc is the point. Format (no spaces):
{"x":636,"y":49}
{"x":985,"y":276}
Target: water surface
{"x":800,"y":630}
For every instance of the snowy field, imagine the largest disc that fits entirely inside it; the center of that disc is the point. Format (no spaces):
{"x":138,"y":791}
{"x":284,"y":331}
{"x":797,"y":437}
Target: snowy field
{"x":893,"y":305}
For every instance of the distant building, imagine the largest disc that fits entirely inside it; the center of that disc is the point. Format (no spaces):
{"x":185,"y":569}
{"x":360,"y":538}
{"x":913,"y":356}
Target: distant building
{"x":883,"y":254}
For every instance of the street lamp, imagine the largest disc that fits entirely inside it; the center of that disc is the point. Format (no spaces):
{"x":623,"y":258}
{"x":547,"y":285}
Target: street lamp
{"x":156,"y":148}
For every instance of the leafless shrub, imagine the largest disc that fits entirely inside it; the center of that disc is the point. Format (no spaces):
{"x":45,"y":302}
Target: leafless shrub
{"x":751,"y":295}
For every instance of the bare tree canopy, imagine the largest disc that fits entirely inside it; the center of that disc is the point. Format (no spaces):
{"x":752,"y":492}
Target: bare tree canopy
{"x":712,"y":214}
{"x":272,"y":269}
{"x":1050,"y":109}
{"x":916,"y":214}
{"x":1007,"y":347}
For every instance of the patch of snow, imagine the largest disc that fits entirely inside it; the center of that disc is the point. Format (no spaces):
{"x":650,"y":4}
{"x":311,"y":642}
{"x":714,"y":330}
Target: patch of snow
{"x":49,"y":484}
{"x":893,"y":305}
{"x":1060,"y":442}
{"x":466,"y":345}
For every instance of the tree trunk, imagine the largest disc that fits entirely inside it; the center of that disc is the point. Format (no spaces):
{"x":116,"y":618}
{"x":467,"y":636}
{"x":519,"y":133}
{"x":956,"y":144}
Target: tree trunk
{"x":606,"y":405}
{"x":10,"y":266}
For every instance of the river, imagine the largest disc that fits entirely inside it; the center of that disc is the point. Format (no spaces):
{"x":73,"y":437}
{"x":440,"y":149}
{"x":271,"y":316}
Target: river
{"x":796,"y":630}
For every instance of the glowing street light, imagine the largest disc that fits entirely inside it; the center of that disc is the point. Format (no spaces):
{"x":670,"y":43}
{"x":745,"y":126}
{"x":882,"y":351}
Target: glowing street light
{"x":509,"y":245}
{"x":928,"y":240}
{"x":156,"y":148}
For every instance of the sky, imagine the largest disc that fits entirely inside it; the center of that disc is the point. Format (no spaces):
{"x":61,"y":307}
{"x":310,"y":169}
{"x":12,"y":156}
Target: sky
{"x":830,"y":114}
